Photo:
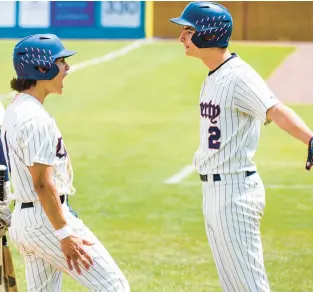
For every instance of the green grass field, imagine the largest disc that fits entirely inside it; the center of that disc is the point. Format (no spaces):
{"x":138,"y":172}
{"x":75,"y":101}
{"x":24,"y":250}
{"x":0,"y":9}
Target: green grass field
{"x":130,"y":124}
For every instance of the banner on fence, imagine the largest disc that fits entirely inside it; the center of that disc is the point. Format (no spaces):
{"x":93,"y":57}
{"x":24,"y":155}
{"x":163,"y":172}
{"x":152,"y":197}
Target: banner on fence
{"x":73,"y":19}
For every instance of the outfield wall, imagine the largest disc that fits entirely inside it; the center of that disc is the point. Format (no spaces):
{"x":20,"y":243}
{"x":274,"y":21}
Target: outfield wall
{"x":73,"y":19}
{"x":259,"y":20}
{"x":252,"y":20}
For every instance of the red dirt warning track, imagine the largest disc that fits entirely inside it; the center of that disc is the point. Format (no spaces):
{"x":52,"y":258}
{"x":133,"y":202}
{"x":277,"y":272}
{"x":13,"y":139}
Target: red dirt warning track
{"x":292,"y":81}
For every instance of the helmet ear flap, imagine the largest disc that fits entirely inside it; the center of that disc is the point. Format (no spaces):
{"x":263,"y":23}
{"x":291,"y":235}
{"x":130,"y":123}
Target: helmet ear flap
{"x":203,"y":40}
{"x":29,"y":70}
{"x":196,"y":40}
{"x":211,"y":39}
{"x":50,"y":72}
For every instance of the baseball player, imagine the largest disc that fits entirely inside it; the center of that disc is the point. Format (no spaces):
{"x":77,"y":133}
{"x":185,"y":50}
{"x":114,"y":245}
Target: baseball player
{"x":234,"y":101}
{"x":49,"y":237}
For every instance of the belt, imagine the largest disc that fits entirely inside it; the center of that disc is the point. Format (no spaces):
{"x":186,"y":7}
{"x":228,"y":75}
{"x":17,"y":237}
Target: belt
{"x":31,"y":204}
{"x":217,"y":177}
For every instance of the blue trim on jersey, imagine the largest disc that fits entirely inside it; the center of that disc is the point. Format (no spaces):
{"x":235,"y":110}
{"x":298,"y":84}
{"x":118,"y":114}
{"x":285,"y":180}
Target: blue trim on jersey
{"x":70,"y":208}
{"x":233,"y":55}
{"x":3,"y":161}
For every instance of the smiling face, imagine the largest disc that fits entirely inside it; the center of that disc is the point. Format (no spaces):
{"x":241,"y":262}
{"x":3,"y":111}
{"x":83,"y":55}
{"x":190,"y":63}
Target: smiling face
{"x":185,"y":37}
{"x":55,"y":86}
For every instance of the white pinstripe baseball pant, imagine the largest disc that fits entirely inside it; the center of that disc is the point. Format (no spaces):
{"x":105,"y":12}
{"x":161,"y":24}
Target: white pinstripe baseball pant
{"x":34,"y":236}
{"x":233,"y":208}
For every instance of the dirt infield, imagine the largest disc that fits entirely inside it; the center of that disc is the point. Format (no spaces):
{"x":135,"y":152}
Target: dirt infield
{"x":292,"y":81}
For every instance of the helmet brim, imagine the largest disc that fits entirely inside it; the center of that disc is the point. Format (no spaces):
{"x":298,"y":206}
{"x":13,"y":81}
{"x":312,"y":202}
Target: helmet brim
{"x":181,"y":21}
{"x":65,"y":54}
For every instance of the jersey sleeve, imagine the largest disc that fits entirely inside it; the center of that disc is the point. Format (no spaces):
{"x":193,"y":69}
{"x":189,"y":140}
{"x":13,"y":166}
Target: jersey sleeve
{"x":253,"y":97}
{"x":38,"y":142}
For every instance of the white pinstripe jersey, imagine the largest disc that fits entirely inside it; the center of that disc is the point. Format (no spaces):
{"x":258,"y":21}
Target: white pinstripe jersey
{"x":30,"y":135}
{"x":234,"y":100}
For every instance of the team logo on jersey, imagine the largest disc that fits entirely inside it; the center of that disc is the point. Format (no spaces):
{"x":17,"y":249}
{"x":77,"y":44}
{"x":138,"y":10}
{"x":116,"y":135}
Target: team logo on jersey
{"x":210,"y":110}
{"x":61,"y":151}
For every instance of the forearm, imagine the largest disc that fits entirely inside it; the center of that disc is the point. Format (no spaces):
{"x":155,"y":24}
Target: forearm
{"x":50,"y":201}
{"x":290,"y":122}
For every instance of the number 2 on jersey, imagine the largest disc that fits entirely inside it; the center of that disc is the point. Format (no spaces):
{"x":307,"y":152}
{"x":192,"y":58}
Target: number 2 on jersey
{"x":214,"y":136}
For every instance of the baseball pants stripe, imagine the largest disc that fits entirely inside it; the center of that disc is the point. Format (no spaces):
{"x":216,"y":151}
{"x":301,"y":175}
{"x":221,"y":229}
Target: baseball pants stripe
{"x":233,"y":208}
{"x":34,"y":236}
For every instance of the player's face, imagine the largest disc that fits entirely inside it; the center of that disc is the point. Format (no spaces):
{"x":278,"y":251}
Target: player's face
{"x":56,"y":84}
{"x":185,"y":37}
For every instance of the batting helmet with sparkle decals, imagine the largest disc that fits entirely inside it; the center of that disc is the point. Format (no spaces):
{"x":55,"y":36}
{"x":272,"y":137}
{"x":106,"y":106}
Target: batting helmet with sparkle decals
{"x":213,"y":24}
{"x":39,"y":50}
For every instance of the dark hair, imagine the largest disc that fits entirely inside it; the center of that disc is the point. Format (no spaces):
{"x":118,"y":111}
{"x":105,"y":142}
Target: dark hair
{"x":21,"y":84}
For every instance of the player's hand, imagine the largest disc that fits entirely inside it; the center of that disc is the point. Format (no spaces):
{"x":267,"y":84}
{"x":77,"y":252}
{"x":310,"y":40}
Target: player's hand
{"x":73,"y":249}
{"x":309,"y":161}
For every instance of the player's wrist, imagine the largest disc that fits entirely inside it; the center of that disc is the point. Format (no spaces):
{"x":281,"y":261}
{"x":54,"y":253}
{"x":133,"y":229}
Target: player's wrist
{"x":64,"y":232}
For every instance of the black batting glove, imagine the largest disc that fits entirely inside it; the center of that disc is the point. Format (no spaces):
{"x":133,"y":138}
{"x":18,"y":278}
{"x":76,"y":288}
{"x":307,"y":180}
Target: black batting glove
{"x":309,"y":161}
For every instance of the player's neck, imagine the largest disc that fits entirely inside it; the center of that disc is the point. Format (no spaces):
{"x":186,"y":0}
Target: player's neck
{"x":215,"y":58}
{"x":37,"y":92}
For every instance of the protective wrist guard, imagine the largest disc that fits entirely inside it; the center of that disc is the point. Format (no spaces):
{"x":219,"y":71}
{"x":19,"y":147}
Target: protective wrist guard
{"x":309,"y":161}
{"x":64,"y":232}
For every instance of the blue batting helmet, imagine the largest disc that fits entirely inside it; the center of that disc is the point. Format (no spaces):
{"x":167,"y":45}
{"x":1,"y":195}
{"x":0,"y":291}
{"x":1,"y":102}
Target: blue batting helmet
{"x":213,"y":24}
{"x":39,"y":50}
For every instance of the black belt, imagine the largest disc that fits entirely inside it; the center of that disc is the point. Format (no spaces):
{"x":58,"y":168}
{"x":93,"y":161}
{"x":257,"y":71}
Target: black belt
{"x":31,"y":204}
{"x":217,"y":177}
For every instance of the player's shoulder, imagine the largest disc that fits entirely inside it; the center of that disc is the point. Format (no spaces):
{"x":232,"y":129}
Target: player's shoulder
{"x":30,"y":109}
{"x":34,"y":120}
{"x":245,"y":69}
{"x":34,"y":126}
{"x":242,"y":72}
{"x":232,"y":68}
{"x":249,"y":75}
{"x":26,"y":112}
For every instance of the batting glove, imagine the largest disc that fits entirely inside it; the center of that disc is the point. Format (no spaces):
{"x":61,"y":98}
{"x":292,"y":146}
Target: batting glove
{"x":309,"y":161}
